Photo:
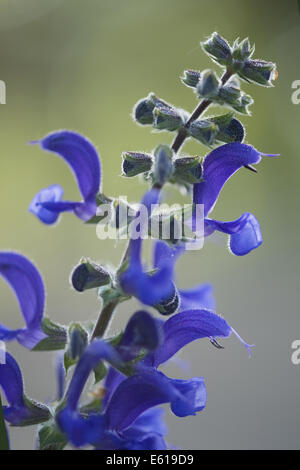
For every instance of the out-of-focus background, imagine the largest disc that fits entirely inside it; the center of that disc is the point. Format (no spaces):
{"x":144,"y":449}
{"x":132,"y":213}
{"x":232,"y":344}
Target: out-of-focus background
{"x":82,"y":66}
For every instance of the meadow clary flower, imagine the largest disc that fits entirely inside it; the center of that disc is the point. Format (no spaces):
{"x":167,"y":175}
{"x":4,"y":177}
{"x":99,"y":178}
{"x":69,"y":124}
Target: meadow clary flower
{"x":20,"y":410}
{"x":219,"y":165}
{"x":83,"y":159}
{"x":26,"y":282}
{"x":149,"y":287}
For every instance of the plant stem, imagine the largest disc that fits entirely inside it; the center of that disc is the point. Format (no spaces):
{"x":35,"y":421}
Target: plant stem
{"x":203,"y":105}
{"x":108,"y":311}
{"x":3,"y":434}
{"x":104,"y":319}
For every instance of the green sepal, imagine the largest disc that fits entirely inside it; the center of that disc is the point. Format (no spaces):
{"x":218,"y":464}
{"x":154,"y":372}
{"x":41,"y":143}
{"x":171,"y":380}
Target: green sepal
{"x":38,"y":413}
{"x":56,"y":336}
{"x":187,"y":170}
{"x":78,"y":341}
{"x":100,"y":372}
{"x":135,"y":163}
{"x":100,"y":200}
{"x":50,"y":437}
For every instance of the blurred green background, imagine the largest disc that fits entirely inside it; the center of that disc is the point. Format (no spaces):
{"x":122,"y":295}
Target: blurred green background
{"x":82,"y":66}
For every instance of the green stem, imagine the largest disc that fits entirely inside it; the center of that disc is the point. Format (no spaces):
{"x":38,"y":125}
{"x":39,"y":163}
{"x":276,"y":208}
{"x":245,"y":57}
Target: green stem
{"x":3,"y":434}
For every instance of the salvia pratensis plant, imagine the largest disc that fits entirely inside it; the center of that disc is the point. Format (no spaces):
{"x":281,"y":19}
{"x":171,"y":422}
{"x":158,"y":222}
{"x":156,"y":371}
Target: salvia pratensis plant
{"x":123,"y":411}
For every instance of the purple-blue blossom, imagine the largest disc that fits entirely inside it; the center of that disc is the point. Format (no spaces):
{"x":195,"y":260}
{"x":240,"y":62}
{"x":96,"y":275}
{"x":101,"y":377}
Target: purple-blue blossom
{"x":219,"y":165}
{"x":27,"y":284}
{"x":83,"y":159}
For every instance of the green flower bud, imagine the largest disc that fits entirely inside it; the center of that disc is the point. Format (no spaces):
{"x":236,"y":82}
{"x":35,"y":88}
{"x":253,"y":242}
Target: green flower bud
{"x":259,"y":72}
{"x":191,"y":78}
{"x":243,"y":50}
{"x":88,"y":275}
{"x":188,"y":170}
{"x":243,"y":104}
{"x":229,"y":128}
{"x":78,"y":341}
{"x":208,"y":85}
{"x":135,"y":163}
{"x":156,"y":102}
{"x":142,"y":112}
{"x":167,"y":119}
{"x":163,"y":166}
{"x":203,"y":130}
{"x":229,"y":94}
{"x":218,"y":48}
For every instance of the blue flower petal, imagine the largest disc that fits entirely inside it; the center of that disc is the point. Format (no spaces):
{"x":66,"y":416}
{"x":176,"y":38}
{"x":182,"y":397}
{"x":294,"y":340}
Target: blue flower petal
{"x":218,"y":167}
{"x":199,"y":297}
{"x":185,"y":327}
{"x":79,"y":429}
{"x":149,"y":289}
{"x":11,"y":382}
{"x":27,"y":284}
{"x":142,"y":332}
{"x":52,"y":194}
{"x":245,"y":233}
{"x":149,"y":388}
{"x":83,"y":159}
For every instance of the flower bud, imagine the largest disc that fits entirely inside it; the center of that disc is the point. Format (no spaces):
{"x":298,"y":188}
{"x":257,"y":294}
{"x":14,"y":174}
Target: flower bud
{"x":78,"y":341}
{"x":259,"y":72}
{"x":163,"y":166}
{"x":208,"y":85}
{"x":243,"y":104}
{"x":169,"y":305}
{"x":142,"y":112}
{"x":229,"y":94}
{"x":188,"y":170}
{"x":88,"y":275}
{"x":167,"y":119}
{"x":243,"y":50}
{"x":203,"y":130}
{"x":135,"y":163}
{"x":218,"y":48}
{"x":230,"y":129}
{"x":191,"y":78}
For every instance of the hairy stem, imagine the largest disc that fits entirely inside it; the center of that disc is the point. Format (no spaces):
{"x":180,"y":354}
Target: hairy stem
{"x":104,"y":319}
{"x":202,"y":106}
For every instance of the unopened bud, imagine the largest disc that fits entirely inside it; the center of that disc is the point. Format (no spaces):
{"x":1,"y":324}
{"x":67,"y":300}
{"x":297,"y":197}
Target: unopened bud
{"x":142,"y":112}
{"x":203,"y":130}
{"x":88,"y":275}
{"x":208,"y":85}
{"x":135,"y":163}
{"x":167,"y":119}
{"x":191,"y":78}
{"x":259,"y":72}
{"x":170,"y":305}
{"x":78,"y":340}
{"x":218,"y":48}
{"x":163,"y":166}
{"x":188,"y":170}
{"x":230,"y":129}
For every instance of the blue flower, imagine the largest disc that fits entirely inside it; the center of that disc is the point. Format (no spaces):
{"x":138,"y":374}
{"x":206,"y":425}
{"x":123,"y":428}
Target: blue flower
{"x":26,"y":282}
{"x":200,"y":296}
{"x":218,"y":167}
{"x":20,"y":410}
{"x":83,"y":159}
{"x":149,"y":288}
{"x":129,"y":417}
